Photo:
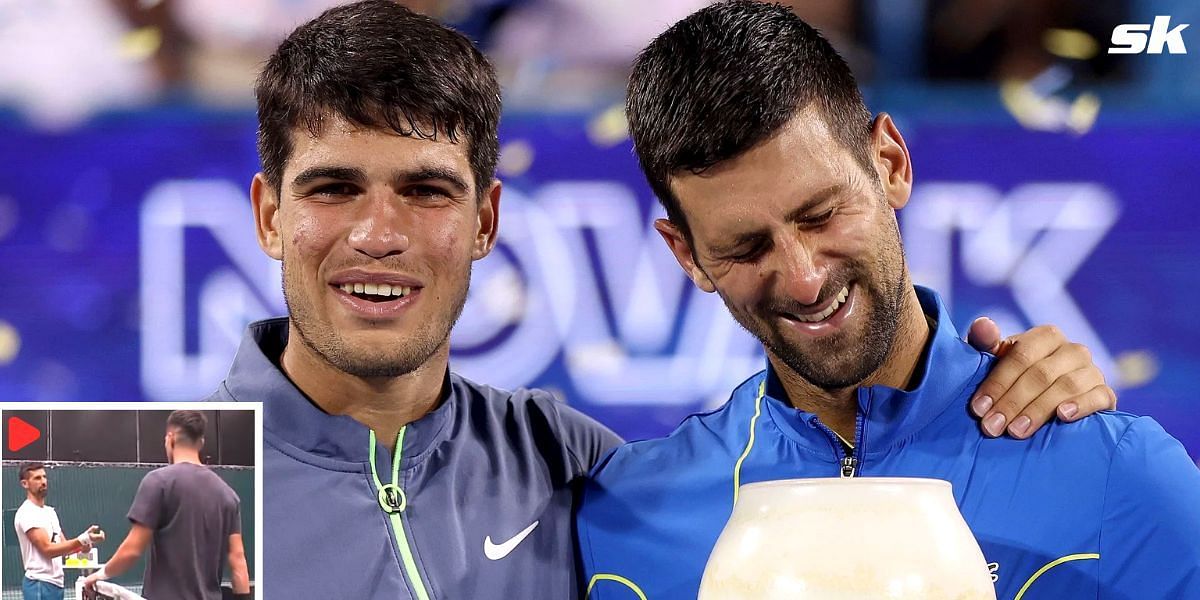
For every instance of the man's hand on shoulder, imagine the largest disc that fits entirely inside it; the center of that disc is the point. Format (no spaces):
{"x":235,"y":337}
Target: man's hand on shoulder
{"x":1039,"y":374}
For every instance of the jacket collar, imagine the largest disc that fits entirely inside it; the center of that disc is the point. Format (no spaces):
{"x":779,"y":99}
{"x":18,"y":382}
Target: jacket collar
{"x":950,"y":369}
{"x":292,"y":416}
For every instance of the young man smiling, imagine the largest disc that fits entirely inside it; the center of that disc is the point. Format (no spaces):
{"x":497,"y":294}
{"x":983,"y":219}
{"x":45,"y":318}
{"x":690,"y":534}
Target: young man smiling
{"x":386,"y":474}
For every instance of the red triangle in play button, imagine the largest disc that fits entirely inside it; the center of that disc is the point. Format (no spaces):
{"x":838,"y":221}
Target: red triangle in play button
{"x":21,"y":434}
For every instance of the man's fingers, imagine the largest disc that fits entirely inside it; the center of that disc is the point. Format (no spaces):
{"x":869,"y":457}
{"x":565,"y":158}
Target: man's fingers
{"x":1069,"y":368}
{"x":984,"y":335}
{"x":1023,"y":352}
{"x":1003,"y":347}
{"x":1070,"y":393}
{"x":1061,"y":398}
{"x":1096,"y":399}
{"x":1066,"y":373}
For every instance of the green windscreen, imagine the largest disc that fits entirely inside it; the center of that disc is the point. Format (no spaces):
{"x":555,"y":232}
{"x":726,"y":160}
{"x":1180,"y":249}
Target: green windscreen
{"x":100,"y":493}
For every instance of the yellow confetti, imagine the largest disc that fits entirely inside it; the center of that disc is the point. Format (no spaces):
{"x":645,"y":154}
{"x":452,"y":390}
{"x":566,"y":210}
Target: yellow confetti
{"x":1084,"y":111}
{"x":1070,"y":43}
{"x":140,"y":44}
{"x":10,"y":343}
{"x":1136,"y":368}
{"x":609,"y":128}
{"x":515,"y":158}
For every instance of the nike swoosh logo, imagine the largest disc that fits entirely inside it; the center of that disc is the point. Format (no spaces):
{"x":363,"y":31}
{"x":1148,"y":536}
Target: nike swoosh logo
{"x":499,"y":551}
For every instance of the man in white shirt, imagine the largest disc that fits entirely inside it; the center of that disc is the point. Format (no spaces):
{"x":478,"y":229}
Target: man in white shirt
{"x":41,"y":538}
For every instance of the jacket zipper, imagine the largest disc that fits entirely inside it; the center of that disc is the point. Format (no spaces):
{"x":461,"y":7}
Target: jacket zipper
{"x":848,"y":461}
{"x":849,"y":464}
{"x":393,"y":501}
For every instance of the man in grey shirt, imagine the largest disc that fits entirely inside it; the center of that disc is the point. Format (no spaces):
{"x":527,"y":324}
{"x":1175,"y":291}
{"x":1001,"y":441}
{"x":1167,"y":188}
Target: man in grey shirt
{"x":189,"y":518}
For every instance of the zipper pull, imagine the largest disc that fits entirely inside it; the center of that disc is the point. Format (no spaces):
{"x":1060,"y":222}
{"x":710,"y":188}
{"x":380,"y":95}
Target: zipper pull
{"x":849,"y":465}
{"x":392,"y":499}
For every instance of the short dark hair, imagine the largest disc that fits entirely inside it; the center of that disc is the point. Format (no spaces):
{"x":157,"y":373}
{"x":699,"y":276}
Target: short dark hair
{"x":188,"y":425}
{"x":379,"y":65}
{"x":727,"y":78}
{"x":29,"y":467}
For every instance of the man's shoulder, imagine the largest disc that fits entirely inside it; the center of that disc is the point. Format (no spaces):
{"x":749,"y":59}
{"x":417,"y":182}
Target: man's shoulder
{"x":1096,"y":453}
{"x":221,"y":394}
{"x":525,"y":406}
{"x":26,"y":510}
{"x":167,"y":473}
{"x":495,"y":398}
{"x":699,"y":440}
{"x":32,"y":515}
{"x":255,"y":372}
{"x":1099,"y":433}
{"x":1145,"y":455}
{"x":188,"y":476}
{"x":652,"y":510}
{"x":527,"y":418}
{"x":1150,"y":541}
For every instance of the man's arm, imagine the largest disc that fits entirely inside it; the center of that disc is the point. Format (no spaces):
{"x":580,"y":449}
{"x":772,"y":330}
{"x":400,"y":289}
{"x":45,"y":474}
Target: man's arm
{"x":239,"y":573}
{"x":126,"y":556}
{"x":143,"y":515}
{"x":41,"y":540}
{"x":1150,"y":533}
{"x":1039,"y":373}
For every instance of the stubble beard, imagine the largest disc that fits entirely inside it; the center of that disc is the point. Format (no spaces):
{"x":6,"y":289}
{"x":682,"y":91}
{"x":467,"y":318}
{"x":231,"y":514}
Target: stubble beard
{"x":838,"y":361}
{"x":412,"y":353}
{"x":841,"y":361}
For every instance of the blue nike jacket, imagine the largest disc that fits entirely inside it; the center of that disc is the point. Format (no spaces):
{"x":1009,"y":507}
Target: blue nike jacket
{"x":476,"y":500}
{"x":1108,"y":507}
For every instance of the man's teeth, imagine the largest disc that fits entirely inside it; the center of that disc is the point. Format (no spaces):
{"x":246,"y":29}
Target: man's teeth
{"x":376,"y":289}
{"x":821,"y":316}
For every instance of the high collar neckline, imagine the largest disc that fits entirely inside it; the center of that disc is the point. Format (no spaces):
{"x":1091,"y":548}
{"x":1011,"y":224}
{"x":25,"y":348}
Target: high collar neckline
{"x":291,"y":416}
{"x":888,"y":416}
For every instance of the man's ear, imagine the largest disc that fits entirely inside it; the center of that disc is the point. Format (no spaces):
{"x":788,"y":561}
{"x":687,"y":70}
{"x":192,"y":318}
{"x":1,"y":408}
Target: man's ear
{"x":892,"y":162}
{"x":488,"y":224}
{"x":264,"y":199}
{"x":682,"y":250}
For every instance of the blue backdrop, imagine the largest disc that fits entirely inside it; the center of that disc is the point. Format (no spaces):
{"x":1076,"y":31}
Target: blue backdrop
{"x":130,"y":266}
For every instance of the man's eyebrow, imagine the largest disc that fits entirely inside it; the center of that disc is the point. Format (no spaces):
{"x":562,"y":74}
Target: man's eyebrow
{"x":796,"y":214}
{"x":438,"y":173}
{"x":446,"y":175}
{"x":733,"y":245}
{"x":312,"y":174}
{"x":814,"y":200}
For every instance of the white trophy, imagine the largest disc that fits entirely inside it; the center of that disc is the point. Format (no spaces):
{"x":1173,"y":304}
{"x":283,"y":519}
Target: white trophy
{"x":847,"y":539}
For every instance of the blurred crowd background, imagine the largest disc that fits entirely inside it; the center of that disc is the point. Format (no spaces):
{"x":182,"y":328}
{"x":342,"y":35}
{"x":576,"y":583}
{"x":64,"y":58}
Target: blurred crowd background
{"x":64,"y":61}
{"x":1054,"y":185}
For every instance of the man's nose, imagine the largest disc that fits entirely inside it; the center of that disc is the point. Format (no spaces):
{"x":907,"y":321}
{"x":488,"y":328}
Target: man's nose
{"x":801,"y":272}
{"x":382,"y":226}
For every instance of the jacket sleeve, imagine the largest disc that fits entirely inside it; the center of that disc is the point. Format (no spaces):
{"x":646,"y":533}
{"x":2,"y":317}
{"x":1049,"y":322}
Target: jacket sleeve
{"x":605,"y":536}
{"x":1150,"y":534}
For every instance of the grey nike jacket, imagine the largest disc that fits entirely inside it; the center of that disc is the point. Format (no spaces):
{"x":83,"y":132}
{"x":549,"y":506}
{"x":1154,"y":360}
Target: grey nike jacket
{"x":475,"y":502}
